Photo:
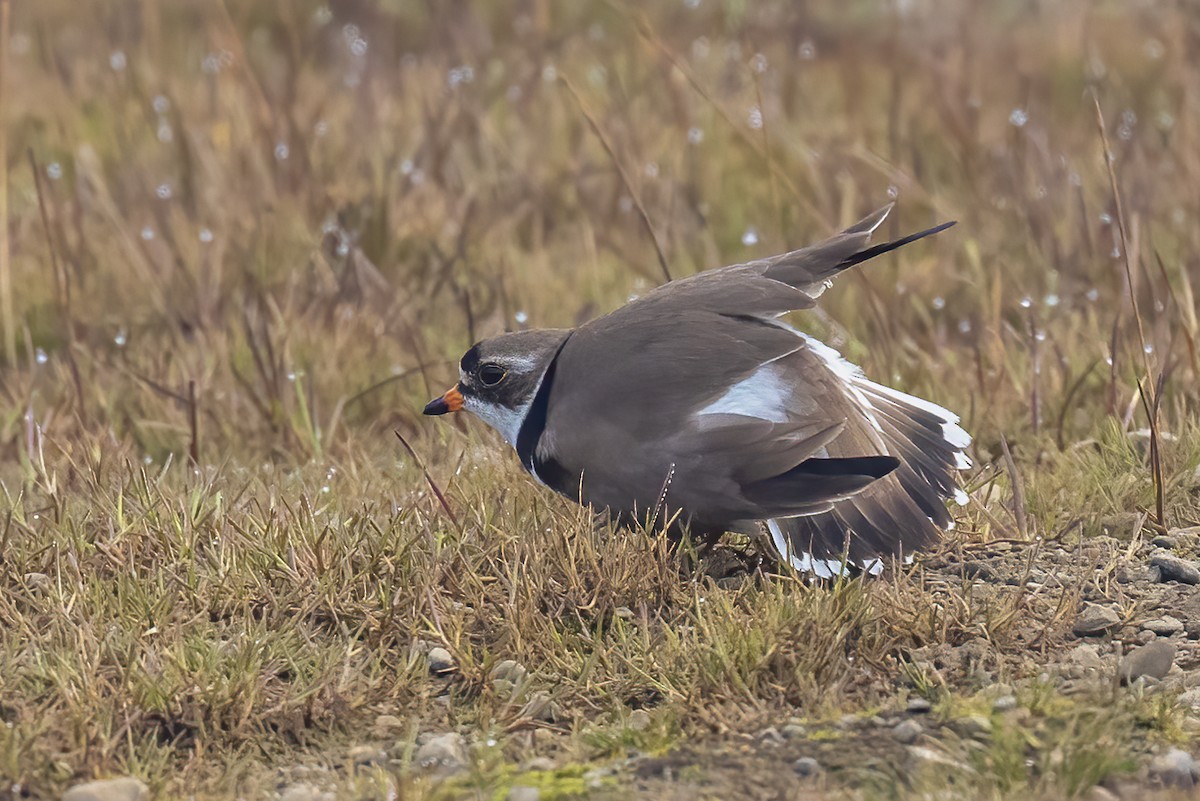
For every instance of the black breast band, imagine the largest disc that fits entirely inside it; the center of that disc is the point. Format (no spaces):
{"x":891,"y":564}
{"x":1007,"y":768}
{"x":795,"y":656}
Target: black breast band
{"x":535,"y":419}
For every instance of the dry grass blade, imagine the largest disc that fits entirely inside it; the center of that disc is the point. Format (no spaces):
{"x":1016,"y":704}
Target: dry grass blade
{"x":428,"y":478}
{"x":1018,"y":490}
{"x":62,"y":287}
{"x":616,"y":161}
{"x":1150,"y":404}
{"x":193,"y":424}
{"x":1126,"y":256}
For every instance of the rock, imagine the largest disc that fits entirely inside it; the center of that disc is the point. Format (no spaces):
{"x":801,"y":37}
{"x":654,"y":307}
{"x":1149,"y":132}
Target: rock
{"x":1004,"y":703}
{"x":40,"y":583}
{"x":1086,"y":655}
{"x":770,"y":736}
{"x":922,"y":757}
{"x":1152,"y":660}
{"x":365,"y":756}
{"x":975,"y":726}
{"x":906,"y":732}
{"x":1190,"y":699}
{"x":806,"y":767}
{"x":444,"y":752}
{"x":1095,"y":620}
{"x":639,"y":720}
{"x":441,"y":663}
{"x":1135,"y":572}
{"x":509,"y":670}
{"x":1164,"y":626}
{"x":541,"y":706}
{"x":1163,"y":541}
{"x":304,"y":792}
{"x":1172,"y":568}
{"x":385,"y":724}
{"x":124,"y":789}
{"x":794,"y":731}
{"x":540,"y":764}
{"x":918,"y":706}
{"x":1174,"y":769}
{"x":1186,"y":538}
{"x":523,"y":793}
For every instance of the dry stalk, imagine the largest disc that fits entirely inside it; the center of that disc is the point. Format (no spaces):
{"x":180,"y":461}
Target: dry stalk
{"x":637,"y":201}
{"x":1150,"y":401}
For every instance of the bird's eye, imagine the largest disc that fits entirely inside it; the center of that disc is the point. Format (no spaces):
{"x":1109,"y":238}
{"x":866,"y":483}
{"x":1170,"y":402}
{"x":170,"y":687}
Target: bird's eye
{"x":491,"y":374}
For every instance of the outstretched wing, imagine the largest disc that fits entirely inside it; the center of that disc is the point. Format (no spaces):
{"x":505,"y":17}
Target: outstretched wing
{"x":779,"y":284}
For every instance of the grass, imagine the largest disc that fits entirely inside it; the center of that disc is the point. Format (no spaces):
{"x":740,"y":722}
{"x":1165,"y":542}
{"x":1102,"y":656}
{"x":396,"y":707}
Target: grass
{"x":263,"y":233}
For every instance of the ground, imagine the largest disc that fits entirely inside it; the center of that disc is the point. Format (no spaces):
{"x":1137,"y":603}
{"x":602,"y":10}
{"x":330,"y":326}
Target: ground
{"x":247,"y":241}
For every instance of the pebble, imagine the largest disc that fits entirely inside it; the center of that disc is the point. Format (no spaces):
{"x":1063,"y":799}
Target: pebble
{"x":523,"y":793}
{"x":794,"y":731}
{"x":540,"y":764}
{"x":639,"y":720}
{"x":508,"y":677}
{"x":509,"y":670}
{"x":38,"y":582}
{"x":1164,"y":626}
{"x":541,"y":706}
{"x":366,"y":756}
{"x":806,"y":766}
{"x":918,"y":705}
{"x":1175,"y":768}
{"x":1153,"y":660}
{"x":1136,"y":572}
{"x":447,"y":752}
{"x":1172,"y":568}
{"x":1095,"y":620}
{"x":1186,"y":538}
{"x":1190,"y":699}
{"x":921,"y":757}
{"x":1004,"y":703}
{"x":304,"y":792}
{"x":975,"y":726}
{"x":441,"y":663}
{"x":770,"y":736}
{"x":906,"y":732}
{"x":124,"y":789}
{"x":387,"y":723}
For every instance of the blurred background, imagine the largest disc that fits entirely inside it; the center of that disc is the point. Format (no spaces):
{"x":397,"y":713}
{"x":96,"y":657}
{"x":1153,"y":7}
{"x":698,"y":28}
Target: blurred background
{"x":310,"y":209}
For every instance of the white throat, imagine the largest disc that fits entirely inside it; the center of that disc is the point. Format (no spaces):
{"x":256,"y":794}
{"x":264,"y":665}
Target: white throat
{"x":505,"y":420}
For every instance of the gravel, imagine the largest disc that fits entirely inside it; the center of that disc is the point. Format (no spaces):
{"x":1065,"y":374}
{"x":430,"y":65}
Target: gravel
{"x":806,"y":766}
{"x":1095,"y":620}
{"x":1172,"y":568}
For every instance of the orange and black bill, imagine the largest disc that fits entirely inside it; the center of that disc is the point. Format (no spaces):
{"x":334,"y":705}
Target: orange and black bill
{"x":452,"y":401}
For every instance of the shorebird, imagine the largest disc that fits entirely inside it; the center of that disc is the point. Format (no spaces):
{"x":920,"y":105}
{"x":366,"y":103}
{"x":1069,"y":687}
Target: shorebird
{"x":697,"y":402}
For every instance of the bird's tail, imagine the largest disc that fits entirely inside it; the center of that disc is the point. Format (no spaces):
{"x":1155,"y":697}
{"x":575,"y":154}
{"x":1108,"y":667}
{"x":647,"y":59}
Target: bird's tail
{"x":901,"y":512}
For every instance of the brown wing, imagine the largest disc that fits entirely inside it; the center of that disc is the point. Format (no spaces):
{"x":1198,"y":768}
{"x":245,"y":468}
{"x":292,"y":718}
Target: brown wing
{"x":730,"y":412}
